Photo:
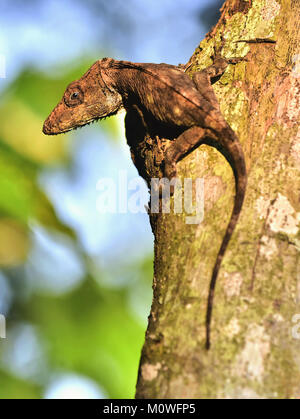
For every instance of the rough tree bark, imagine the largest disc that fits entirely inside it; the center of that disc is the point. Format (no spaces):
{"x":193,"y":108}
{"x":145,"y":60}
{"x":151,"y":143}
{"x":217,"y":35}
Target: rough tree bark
{"x":255,"y":351}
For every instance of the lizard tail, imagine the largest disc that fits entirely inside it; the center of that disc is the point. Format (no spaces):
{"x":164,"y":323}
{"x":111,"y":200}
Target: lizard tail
{"x":233,"y":152}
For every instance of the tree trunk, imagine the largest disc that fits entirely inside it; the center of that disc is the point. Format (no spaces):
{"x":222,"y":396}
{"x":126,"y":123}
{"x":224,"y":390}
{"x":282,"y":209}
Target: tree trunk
{"x":255,"y":346}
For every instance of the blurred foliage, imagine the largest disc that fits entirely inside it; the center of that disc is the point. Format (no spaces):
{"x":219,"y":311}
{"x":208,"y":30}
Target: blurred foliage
{"x":15,"y":388}
{"x":20,"y":196}
{"x":91,"y":330}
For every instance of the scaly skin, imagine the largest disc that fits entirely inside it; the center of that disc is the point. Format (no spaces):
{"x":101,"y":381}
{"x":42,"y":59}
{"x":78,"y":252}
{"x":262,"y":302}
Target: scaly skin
{"x":165,"y":94}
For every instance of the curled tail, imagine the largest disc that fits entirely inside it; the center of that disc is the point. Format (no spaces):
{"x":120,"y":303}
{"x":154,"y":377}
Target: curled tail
{"x":233,"y":152}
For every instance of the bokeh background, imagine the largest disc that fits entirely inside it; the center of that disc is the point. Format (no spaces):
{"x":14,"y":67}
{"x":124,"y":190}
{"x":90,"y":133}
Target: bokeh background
{"x":75,"y":285}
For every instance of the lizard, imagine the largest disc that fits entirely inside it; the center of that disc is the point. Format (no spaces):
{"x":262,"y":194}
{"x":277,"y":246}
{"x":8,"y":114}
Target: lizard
{"x":160,"y":95}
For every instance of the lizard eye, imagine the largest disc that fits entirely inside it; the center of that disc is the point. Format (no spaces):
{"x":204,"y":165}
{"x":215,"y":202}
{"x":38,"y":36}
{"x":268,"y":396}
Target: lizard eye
{"x":74,"y":96}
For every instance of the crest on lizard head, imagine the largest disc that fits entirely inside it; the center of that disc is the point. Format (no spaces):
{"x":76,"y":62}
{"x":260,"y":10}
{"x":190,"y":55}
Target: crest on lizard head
{"x":84,"y":101}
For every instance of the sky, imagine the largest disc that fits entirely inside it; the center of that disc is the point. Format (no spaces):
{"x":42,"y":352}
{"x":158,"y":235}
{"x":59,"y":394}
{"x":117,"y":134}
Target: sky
{"x":46,"y":32}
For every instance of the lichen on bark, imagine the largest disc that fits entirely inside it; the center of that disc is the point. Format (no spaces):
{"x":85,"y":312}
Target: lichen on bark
{"x":254,"y":352}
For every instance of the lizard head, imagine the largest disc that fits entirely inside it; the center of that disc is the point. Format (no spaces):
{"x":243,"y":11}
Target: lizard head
{"x":85,"y":100}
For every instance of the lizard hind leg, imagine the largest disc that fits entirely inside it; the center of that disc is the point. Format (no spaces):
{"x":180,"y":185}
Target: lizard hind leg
{"x":182,"y":146}
{"x":205,"y":77}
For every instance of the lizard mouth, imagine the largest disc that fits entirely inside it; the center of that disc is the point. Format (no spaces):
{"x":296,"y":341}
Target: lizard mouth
{"x":50,"y":130}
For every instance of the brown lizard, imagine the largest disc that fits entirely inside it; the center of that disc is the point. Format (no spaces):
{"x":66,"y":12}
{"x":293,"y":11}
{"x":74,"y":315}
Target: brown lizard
{"x":162,"y":95}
